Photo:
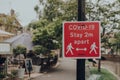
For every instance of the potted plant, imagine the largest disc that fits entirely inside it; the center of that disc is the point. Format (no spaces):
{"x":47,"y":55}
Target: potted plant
{"x":42,"y":52}
{"x":13,"y":75}
{"x":2,"y":75}
{"x":17,"y":51}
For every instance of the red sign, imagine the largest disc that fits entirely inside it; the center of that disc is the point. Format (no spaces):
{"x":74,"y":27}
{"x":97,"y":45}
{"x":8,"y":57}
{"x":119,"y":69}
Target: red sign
{"x":81,"y":39}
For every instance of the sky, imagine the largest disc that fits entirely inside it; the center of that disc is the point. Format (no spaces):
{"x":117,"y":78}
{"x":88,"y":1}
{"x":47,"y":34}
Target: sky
{"x":23,"y":8}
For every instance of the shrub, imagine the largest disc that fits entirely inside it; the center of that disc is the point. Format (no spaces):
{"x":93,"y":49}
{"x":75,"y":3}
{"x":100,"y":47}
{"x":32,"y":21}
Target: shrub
{"x":14,"y":73}
{"x":2,"y":75}
{"x":105,"y":74}
{"x":19,"y":50}
{"x":38,"y":49}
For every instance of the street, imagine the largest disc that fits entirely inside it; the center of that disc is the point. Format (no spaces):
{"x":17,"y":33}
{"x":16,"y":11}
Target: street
{"x":67,"y":67}
{"x":65,"y":71}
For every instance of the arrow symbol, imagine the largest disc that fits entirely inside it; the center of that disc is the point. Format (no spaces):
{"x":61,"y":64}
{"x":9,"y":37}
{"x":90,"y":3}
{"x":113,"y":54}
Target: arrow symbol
{"x":84,"y":49}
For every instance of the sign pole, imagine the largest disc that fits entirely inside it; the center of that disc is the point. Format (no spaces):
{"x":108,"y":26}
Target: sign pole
{"x":81,"y":40}
{"x":81,"y":62}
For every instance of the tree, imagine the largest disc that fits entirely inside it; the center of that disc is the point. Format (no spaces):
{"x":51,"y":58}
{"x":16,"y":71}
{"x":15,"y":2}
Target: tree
{"x":50,"y":10}
{"x":107,"y":13}
{"x":103,"y":11}
{"x":45,"y":37}
{"x":38,"y":49}
{"x":19,"y":50}
{"x":54,"y":12}
{"x":38,"y":24}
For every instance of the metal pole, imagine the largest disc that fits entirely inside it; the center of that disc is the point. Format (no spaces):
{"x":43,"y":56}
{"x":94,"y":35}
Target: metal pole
{"x":99,"y":65}
{"x":81,"y":62}
{"x":81,"y":10}
{"x":80,"y":69}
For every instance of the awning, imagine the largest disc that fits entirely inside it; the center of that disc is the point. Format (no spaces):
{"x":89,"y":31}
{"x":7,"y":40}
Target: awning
{"x":4,"y":33}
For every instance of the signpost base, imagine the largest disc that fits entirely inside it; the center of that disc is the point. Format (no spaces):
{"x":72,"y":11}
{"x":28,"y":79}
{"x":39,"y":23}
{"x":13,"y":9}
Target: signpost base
{"x":80,"y":69}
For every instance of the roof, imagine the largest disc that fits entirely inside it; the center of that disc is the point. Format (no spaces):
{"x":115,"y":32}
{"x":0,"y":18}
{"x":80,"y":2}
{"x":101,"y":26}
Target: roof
{"x":4,"y":33}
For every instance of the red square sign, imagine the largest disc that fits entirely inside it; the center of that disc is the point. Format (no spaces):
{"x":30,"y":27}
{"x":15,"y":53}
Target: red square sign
{"x":81,"y":39}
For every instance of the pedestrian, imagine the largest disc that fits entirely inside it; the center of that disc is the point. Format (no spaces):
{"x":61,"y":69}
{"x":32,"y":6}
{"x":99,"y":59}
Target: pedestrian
{"x":30,"y":54}
{"x":23,"y":66}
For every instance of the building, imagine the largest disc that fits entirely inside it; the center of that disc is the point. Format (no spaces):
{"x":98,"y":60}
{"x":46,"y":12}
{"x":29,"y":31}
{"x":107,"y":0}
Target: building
{"x":9,"y":24}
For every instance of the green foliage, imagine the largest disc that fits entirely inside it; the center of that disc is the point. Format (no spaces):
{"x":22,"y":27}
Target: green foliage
{"x":45,"y":39}
{"x":38,"y":49}
{"x":107,"y":13}
{"x":57,"y":9}
{"x":69,"y":10}
{"x":52,"y":9}
{"x":2,"y":75}
{"x":48,"y":29}
{"x":49,"y":36}
{"x":117,"y":36}
{"x":58,"y":32}
{"x":38,"y":24}
{"x":19,"y":50}
{"x":113,"y":41}
{"x":105,"y":74}
{"x":103,"y":11}
{"x":14,"y":73}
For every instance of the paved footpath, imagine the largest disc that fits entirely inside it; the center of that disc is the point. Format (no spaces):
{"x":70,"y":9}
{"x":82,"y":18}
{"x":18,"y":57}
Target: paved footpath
{"x":65,"y":71}
{"x":35,"y":75}
{"x":32,"y":76}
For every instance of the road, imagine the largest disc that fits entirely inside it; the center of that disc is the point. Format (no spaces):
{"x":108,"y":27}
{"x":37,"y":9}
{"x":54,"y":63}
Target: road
{"x":65,"y":71}
{"x":22,"y":39}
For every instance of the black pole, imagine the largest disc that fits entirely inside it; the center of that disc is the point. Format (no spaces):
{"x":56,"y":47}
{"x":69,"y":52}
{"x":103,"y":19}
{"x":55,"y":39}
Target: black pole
{"x":81,"y":10}
{"x":81,"y":62}
{"x":80,"y":69}
{"x":99,"y":65}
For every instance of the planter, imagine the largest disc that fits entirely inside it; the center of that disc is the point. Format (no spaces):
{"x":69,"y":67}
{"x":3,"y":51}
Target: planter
{"x":2,"y":76}
{"x":36,"y":69}
{"x":21,"y":73}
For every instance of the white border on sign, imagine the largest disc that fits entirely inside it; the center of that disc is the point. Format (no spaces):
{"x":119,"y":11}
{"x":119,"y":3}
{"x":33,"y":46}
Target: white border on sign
{"x":81,"y":57}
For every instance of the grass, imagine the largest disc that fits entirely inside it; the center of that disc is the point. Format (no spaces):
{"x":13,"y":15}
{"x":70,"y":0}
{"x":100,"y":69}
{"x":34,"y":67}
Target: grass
{"x":105,"y":74}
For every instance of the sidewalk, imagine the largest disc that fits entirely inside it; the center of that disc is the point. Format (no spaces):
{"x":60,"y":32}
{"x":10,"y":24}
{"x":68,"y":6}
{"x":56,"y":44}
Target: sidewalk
{"x":32,"y":76}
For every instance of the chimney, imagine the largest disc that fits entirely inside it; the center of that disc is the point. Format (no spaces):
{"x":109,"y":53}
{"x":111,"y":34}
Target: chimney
{"x":12,"y":12}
